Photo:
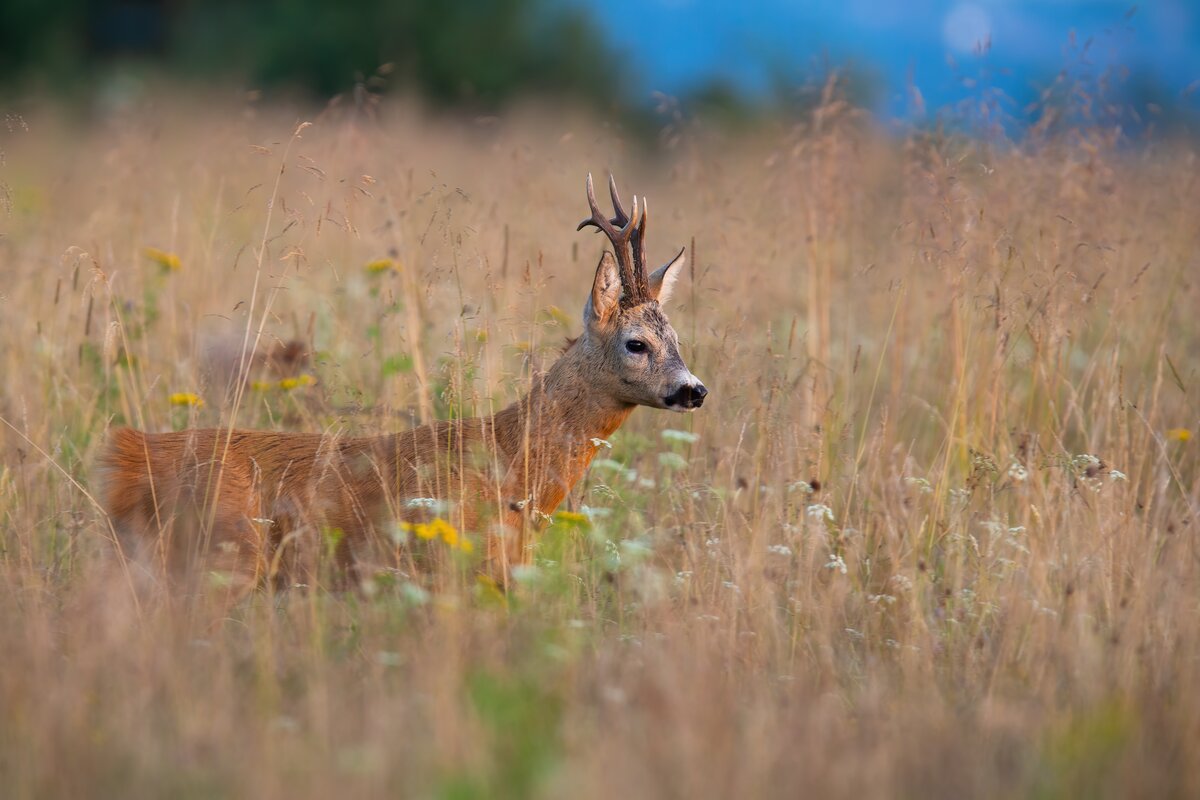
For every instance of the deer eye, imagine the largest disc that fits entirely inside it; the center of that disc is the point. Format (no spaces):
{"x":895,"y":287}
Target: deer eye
{"x":635,"y":346}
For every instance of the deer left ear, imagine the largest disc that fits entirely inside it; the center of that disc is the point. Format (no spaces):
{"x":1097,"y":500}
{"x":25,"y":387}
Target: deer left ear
{"x":606,"y":293}
{"x":662,"y":280}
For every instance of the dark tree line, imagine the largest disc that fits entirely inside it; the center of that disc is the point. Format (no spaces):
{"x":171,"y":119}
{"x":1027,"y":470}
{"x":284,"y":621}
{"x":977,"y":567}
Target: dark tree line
{"x":473,"y":52}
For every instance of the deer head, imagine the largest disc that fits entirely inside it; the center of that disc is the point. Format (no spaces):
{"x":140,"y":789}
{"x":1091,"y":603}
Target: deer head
{"x":631,"y":349}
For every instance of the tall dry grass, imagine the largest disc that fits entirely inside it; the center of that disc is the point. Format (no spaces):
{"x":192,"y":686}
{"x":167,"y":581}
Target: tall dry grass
{"x":934,"y":534}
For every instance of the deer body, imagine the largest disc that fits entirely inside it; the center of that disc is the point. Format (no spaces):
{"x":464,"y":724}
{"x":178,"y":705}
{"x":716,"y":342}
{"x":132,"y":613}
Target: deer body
{"x":245,"y":500}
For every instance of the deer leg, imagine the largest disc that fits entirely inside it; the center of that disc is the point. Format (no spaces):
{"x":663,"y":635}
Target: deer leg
{"x":508,"y":544}
{"x":230,"y":571}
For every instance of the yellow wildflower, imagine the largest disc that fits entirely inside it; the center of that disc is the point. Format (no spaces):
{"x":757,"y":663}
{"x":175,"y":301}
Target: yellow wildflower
{"x":453,"y":540}
{"x":167,"y":262}
{"x":1179,"y":434}
{"x":261,"y":386}
{"x":422,"y":530}
{"x":571,"y":517}
{"x":381,"y":265}
{"x":287,"y":384}
{"x":439,"y":529}
{"x":186,"y":399}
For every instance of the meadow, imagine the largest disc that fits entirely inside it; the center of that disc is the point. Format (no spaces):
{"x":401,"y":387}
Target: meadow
{"x":934,"y":533}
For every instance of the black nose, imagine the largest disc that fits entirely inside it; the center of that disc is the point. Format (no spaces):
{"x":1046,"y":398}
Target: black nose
{"x":687,"y":396}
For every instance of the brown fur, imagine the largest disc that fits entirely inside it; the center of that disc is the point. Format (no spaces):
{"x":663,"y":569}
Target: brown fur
{"x":255,"y":503}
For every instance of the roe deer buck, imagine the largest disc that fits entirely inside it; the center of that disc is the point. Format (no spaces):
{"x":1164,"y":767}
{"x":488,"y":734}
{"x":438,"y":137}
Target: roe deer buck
{"x":252,"y":495}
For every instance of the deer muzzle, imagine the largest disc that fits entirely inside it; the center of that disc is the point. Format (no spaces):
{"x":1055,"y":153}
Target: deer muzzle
{"x":686,"y":397}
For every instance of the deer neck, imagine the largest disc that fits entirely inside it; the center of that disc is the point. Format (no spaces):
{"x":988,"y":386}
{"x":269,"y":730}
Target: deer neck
{"x":553,"y":433}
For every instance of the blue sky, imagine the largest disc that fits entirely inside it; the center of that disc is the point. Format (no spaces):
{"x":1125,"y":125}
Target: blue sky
{"x":676,"y":44}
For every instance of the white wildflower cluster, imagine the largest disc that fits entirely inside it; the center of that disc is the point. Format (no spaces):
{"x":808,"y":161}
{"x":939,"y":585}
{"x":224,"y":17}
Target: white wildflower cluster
{"x":920,"y":484}
{"x":779,"y":550}
{"x":881,"y":599}
{"x":1087,"y":471}
{"x":1017,"y":472}
{"x":682,"y":437}
{"x":1015,"y":532}
{"x":804,"y":487}
{"x":903,"y":583}
{"x":959,"y":498}
{"x":672,"y":460}
{"x":1090,"y":471}
{"x":836,"y":562}
{"x":819,"y":511}
{"x":598,"y":442}
{"x":1001,"y":531}
{"x":595,"y":514}
{"x":433,"y":505}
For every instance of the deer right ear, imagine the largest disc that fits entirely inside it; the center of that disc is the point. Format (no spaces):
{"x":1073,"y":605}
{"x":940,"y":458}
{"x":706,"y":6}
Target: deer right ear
{"x":606,"y":292}
{"x":662,"y":280}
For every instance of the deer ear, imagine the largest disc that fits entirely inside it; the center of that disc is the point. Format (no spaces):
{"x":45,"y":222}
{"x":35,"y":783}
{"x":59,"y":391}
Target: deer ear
{"x":606,"y":292}
{"x":662,"y":280}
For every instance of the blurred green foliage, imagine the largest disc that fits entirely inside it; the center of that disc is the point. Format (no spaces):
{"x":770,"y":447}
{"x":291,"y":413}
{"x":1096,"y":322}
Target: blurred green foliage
{"x":39,"y":34}
{"x":478,"y":53}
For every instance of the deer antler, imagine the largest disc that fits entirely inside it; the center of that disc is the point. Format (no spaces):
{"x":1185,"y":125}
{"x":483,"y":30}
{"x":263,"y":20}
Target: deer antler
{"x":627,"y":232}
{"x":639,"y":236}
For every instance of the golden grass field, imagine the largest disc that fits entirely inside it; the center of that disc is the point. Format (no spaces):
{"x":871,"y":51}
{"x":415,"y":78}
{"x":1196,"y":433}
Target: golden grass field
{"x":933,"y":534}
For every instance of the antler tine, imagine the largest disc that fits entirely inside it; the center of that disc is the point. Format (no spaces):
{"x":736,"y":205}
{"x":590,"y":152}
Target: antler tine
{"x":621,"y":218}
{"x":591,"y":196}
{"x":639,"y":241}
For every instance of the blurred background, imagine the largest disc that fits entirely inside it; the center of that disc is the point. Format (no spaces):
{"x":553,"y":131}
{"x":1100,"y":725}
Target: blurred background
{"x":736,"y":63}
{"x":932,"y":535}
